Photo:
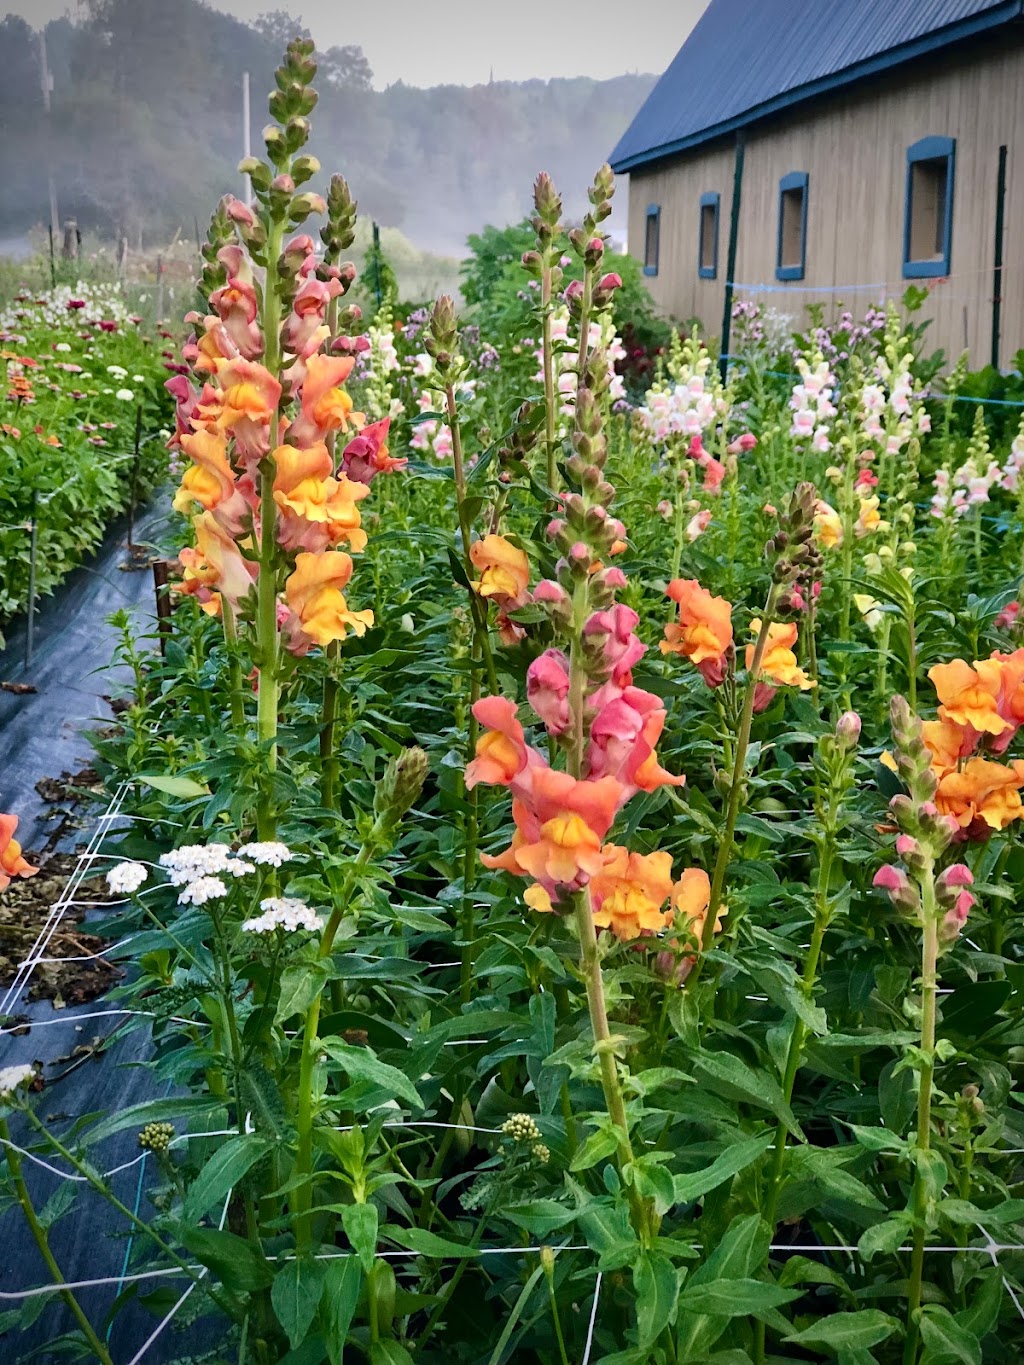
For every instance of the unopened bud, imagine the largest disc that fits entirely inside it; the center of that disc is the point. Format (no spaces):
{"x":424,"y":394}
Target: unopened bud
{"x":848,"y":729}
{"x":401,"y":785}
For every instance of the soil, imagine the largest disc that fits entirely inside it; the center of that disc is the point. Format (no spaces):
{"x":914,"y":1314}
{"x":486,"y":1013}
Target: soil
{"x":24,"y":908}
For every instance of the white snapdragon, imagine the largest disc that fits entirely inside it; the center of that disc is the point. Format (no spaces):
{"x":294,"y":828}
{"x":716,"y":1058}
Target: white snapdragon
{"x":126,"y":878}
{"x":283,"y":912}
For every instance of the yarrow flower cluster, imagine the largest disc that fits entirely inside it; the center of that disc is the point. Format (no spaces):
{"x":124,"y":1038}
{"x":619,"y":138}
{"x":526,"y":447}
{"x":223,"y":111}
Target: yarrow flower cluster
{"x":185,"y":864}
{"x":283,"y":912}
{"x":270,"y":853}
{"x":126,"y":878}
{"x":12,"y":1078}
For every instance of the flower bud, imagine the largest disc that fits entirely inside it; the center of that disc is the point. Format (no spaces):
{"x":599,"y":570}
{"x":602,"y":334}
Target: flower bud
{"x":401,"y":784}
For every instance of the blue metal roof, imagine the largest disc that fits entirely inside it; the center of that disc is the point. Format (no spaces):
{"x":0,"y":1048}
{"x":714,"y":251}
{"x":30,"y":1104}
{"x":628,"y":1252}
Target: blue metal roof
{"x":749,"y":58}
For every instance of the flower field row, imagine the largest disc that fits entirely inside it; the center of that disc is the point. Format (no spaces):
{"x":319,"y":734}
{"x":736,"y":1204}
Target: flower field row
{"x":77,"y":372}
{"x":576,"y":830}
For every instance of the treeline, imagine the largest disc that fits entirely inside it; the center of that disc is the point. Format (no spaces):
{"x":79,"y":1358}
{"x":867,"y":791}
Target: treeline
{"x":145,"y":127}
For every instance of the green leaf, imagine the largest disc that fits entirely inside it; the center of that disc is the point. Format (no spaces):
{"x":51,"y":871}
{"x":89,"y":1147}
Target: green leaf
{"x":541,"y":1216}
{"x":360,"y":1224}
{"x":362,"y":1064}
{"x":945,"y":1341}
{"x":986,"y":1300}
{"x":430,"y":1244}
{"x":847,"y":1331}
{"x":222,"y":1172}
{"x":734,"y":1298}
{"x":886,"y":1236}
{"x":173,"y":786}
{"x":231,"y":1258}
{"x":657,"y":1291}
{"x":388,"y":1352}
{"x":733,"y":1160}
{"x":151,"y":1111}
{"x":730,"y":1076}
{"x":300,"y":986}
{"x":295,"y":1295}
{"x":597,"y":1147}
{"x":343,"y":1283}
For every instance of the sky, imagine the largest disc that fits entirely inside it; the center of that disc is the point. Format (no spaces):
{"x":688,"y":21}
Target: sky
{"x":434,"y":42}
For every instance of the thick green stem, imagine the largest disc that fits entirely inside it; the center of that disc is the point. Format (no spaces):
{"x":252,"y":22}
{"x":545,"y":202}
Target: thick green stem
{"x":736,"y":787}
{"x":303,"y":1201}
{"x":469,"y":856}
{"x":548,"y":365}
{"x":266,"y":599}
{"x":42,"y":1241}
{"x":929,"y":991}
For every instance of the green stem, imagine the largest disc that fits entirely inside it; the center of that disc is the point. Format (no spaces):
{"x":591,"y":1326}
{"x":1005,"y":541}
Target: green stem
{"x":42,"y":1241}
{"x":929,"y":991}
{"x":266,"y":598}
{"x":736,"y":787}
{"x":548,"y":364}
{"x":328,"y":719}
{"x":231,"y":1309}
{"x":469,"y":858}
{"x":477,"y":608}
{"x":303,"y":1201}
{"x":234,"y":668}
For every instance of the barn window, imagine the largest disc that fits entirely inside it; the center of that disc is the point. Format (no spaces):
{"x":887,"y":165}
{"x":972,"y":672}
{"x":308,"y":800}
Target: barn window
{"x":792,"y":244}
{"x":707,"y":240}
{"x":652,"y":239}
{"x":928,"y":222}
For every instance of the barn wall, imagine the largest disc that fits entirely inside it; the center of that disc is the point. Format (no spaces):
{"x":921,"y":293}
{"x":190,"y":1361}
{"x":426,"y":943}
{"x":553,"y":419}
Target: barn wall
{"x":853,"y":148}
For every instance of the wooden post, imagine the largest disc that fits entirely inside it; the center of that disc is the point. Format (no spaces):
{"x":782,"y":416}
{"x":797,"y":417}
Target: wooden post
{"x":134,"y":494}
{"x":730,"y":269}
{"x":159,"y":288}
{"x":70,"y":248}
{"x":30,"y":625}
{"x":997,"y":282}
{"x":161,"y":579}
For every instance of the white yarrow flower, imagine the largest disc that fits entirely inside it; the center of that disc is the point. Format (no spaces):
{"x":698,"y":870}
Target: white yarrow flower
{"x":271,"y":853}
{"x":185,"y":864}
{"x":124,"y":395}
{"x":126,"y":878}
{"x":203,"y":889}
{"x":11,"y":1077}
{"x":283,"y":912}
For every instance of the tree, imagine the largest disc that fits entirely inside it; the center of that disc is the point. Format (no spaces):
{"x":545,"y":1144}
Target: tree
{"x":279,"y":27}
{"x":345,"y":67}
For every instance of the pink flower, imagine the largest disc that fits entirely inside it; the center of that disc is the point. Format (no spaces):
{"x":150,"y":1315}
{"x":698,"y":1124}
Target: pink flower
{"x":547,"y":690}
{"x":1007,"y":618}
{"x":714,"y":473}
{"x":367,"y":455}
{"x":742,"y":444}
{"x":612,"y":632}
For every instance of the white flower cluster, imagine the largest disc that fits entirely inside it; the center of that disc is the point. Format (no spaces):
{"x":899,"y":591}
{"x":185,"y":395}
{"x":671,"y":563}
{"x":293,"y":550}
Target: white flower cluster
{"x":811,"y":401}
{"x":601,"y":333}
{"x":271,"y":853}
{"x":283,"y":912}
{"x":12,"y":1077}
{"x":126,"y":878}
{"x":971,"y":485}
{"x":200,"y":869}
{"x":892,"y":396}
{"x":52,"y":309}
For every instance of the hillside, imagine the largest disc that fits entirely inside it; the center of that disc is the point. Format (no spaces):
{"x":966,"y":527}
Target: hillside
{"x":145,"y":128}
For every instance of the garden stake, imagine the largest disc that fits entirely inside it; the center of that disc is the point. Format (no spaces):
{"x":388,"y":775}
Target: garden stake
{"x":30,"y":622}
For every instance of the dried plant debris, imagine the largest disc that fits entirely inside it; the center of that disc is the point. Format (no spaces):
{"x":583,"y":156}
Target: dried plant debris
{"x":74,"y":970}
{"x":69,"y":786}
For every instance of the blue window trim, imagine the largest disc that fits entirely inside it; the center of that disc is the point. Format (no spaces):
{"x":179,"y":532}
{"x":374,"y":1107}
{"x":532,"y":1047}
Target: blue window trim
{"x":653,"y":211}
{"x":930,"y":149}
{"x":710,"y":200}
{"x":796,"y":180}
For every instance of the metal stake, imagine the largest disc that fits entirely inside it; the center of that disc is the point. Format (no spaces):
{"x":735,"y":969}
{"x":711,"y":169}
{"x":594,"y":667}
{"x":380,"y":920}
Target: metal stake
{"x":31,"y":626}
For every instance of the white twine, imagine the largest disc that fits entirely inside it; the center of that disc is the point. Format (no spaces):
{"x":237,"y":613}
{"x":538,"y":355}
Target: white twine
{"x":165,"y":1322}
{"x":61,"y":905}
{"x":593,"y":1319}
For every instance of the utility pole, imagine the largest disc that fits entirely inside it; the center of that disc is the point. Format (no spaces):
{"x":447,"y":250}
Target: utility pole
{"x":246,"y":136}
{"x":46,"y":82}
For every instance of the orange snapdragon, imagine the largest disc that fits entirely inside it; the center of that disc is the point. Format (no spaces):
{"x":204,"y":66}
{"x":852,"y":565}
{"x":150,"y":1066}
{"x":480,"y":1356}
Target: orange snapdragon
{"x":969,"y":696}
{"x":316,"y":509}
{"x":704,"y":632}
{"x":778,"y":663}
{"x":504,"y":569}
{"x":215,"y":566}
{"x":319,"y":611}
{"x":12,"y":863}
{"x":982,"y":796}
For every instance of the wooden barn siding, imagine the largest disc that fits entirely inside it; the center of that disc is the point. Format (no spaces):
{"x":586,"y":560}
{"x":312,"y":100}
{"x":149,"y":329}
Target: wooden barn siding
{"x":854,"y":149}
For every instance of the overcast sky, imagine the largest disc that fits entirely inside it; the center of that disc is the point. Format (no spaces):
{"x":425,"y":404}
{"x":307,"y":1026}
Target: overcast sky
{"x":432,"y":42}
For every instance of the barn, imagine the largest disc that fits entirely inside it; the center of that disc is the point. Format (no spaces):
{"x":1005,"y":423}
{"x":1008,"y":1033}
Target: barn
{"x":838,"y":151}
